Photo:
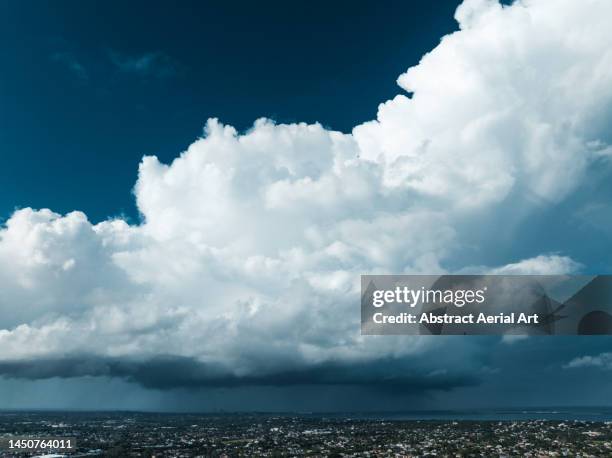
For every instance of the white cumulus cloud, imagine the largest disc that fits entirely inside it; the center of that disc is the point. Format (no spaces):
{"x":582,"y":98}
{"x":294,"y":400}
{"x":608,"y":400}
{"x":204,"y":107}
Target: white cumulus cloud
{"x":251,"y":245}
{"x":602,"y":361}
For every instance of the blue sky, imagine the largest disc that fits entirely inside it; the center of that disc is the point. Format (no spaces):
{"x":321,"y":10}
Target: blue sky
{"x":87,"y":88}
{"x":164,"y":247}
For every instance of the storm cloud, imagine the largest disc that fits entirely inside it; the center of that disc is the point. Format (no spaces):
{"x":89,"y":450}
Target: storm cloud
{"x":165,"y":372}
{"x":245,"y":267}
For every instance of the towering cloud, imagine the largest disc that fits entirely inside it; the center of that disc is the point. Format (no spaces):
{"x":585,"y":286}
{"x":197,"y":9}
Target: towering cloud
{"x":246,"y":263}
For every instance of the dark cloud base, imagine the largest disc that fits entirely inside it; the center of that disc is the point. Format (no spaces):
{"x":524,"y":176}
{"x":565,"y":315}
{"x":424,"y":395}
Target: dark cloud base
{"x":170,"y":372}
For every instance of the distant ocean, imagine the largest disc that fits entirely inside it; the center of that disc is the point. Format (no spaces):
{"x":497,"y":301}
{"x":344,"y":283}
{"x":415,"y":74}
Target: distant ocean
{"x":595,"y":414}
{"x":548,"y":413}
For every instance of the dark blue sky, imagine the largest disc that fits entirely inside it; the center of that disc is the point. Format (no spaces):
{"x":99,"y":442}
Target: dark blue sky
{"x":87,"y":88}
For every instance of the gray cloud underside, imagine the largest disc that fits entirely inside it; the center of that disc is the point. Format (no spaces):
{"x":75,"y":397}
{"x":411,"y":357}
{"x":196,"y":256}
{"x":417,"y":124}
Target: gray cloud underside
{"x":168,"y":372}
